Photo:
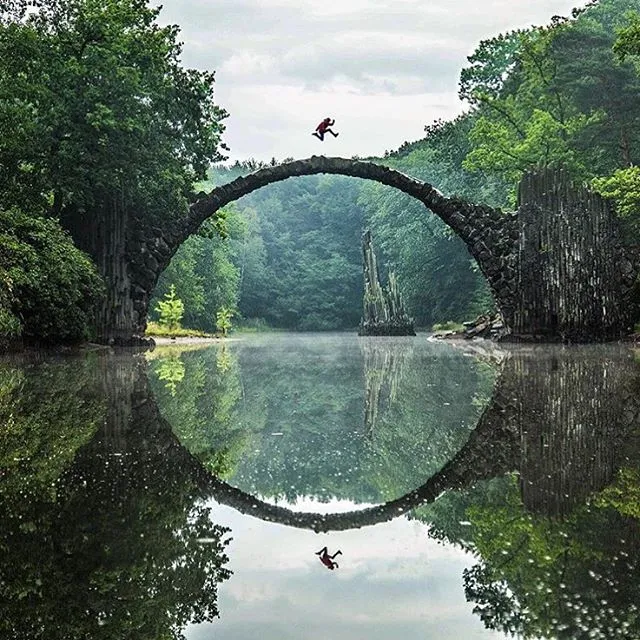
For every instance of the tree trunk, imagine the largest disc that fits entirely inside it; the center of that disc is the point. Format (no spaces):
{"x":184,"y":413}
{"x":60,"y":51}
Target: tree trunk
{"x":625,"y":147}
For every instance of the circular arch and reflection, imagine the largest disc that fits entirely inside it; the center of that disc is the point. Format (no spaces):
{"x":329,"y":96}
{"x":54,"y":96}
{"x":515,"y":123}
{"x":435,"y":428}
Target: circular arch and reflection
{"x":563,"y":449}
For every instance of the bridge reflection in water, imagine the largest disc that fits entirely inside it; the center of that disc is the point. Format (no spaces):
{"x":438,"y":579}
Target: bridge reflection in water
{"x":99,"y":528}
{"x":561,"y":418}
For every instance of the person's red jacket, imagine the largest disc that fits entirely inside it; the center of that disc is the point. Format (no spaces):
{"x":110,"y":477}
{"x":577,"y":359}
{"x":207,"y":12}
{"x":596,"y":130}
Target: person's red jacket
{"x":324,"y":125}
{"x":327,"y":561}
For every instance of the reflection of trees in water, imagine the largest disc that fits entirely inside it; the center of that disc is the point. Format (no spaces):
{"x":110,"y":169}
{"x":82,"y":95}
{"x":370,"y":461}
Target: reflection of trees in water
{"x":33,"y":396}
{"x":112,"y":549}
{"x":313,"y":398}
{"x":203,"y":408}
{"x":574,"y":577}
{"x":171,"y":372}
{"x":558,"y":542}
{"x":557,"y":558}
{"x":557,"y":413}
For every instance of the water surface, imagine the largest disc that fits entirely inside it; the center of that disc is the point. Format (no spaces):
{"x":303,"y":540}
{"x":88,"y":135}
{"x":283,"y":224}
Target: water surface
{"x":474,"y":492}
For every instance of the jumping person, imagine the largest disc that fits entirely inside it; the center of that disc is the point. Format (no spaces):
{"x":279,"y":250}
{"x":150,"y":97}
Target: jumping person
{"x":324,"y":127}
{"x":327,"y":560}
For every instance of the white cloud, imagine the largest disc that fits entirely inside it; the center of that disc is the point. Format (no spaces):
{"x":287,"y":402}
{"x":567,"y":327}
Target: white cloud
{"x":383,"y":68}
{"x":247,"y":64}
{"x":376,"y":62}
{"x":392,"y":581}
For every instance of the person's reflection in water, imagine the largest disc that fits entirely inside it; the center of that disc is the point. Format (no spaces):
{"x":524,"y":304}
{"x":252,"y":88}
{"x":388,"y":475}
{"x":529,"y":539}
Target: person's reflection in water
{"x":327,"y":560}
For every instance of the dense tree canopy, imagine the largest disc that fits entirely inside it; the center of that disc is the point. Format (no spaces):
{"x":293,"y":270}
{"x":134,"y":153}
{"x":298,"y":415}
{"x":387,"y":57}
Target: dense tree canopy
{"x":102,"y":108}
{"x":628,"y":41}
{"x":99,"y":122}
{"x":554,"y":96}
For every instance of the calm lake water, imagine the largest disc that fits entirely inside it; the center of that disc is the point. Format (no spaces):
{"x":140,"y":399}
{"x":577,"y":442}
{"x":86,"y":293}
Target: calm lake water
{"x":474,"y":491}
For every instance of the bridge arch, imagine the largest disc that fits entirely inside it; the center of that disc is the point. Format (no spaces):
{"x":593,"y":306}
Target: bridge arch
{"x":489,"y":234}
{"x":557,"y":267}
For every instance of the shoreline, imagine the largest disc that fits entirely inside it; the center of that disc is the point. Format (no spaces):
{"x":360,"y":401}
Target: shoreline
{"x":163,"y":341}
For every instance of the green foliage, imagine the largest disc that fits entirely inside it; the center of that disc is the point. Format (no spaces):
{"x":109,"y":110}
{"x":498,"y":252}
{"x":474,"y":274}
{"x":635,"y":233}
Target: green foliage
{"x":490,"y":69}
{"x":298,"y":253}
{"x":162,"y":331}
{"x":171,"y":372}
{"x":205,"y":272}
{"x":554,"y":96}
{"x":48,"y":288}
{"x":628,"y":40}
{"x":98,"y":110}
{"x":623,"y":187}
{"x":223,"y":320}
{"x":171,"y":310}
{"x":524,"y":119}
{"x":623,"y":495}
{"x":10,"y":326}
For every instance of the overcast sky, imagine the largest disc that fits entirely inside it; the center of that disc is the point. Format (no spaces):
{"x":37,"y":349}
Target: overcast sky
{"x":382,"y":68}
{"x":393,"y":581}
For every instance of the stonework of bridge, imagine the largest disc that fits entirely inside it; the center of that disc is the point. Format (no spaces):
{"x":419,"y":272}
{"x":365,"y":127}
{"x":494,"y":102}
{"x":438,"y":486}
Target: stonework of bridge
{"x":556,"y":267}
{"x":564,"y":421}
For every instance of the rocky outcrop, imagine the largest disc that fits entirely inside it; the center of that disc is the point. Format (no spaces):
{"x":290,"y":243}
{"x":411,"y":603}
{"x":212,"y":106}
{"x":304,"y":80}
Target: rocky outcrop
{"x":570,"y":257}
{"x":384,"y":313}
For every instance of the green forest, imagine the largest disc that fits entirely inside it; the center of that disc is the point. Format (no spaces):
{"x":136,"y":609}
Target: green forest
{"x":101,"y":119}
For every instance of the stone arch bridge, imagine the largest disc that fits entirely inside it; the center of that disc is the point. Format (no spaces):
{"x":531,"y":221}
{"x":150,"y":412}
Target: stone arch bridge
{"x":557,"y":266}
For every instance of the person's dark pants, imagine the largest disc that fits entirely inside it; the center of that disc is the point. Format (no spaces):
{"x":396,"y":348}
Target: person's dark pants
{"x":320,"y":134}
